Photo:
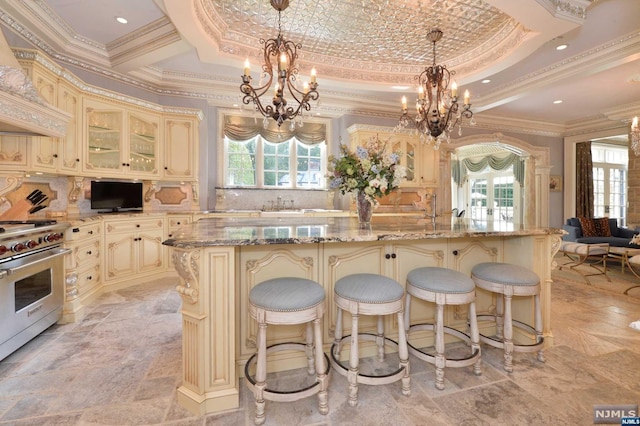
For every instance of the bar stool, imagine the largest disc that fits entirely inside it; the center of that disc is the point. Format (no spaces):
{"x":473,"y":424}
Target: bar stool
{"x":507,"y":280}
{"x":288,"y":301}
{"x":369,"y":294}
{"x":443,"y":287}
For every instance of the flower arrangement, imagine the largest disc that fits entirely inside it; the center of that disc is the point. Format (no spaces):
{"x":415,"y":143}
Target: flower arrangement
{"x":369,"y":169}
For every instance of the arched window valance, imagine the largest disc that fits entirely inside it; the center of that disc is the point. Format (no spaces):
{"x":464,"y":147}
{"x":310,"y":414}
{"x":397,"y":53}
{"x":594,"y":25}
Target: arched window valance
{"x":460,"y":168}
{"x":244,"y":128}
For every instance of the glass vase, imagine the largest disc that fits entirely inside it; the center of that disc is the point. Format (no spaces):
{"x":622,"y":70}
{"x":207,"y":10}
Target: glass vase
{"x":364,"y":209}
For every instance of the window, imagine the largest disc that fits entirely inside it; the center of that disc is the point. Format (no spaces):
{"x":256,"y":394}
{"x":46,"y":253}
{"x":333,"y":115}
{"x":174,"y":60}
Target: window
{"x":258,"y":163}
{"x":610,"y":181}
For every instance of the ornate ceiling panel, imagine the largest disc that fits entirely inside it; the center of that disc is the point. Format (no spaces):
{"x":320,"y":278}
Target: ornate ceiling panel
{"x":379,"y":36}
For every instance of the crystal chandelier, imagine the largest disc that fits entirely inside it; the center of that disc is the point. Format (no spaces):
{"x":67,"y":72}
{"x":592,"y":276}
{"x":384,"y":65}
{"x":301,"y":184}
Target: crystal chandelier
{"x":279,"y":59}
{"x":437,"y":108}
{"x":635,"y":136}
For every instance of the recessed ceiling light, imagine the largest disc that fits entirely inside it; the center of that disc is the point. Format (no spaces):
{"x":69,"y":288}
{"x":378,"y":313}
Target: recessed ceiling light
{"x":562,"y":46}
{"x":485,"y":81}
{"x":559,"y":101}
{"x":121,"y":19}
{"x":400,"y":87}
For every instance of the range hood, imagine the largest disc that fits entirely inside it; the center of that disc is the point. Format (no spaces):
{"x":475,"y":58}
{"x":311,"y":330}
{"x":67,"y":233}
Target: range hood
{"x":23,"y":112}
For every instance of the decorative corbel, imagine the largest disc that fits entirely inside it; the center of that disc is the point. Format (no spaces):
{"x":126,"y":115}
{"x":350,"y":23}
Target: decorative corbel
{"x":152,"y":190}
{"x":194,"y":191}
{"x":12,"y":183}
{"x":76,"y":187}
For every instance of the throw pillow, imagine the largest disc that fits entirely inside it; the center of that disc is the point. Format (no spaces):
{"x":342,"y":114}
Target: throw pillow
{"x":602,"y":227}
{"x":588,"y":227}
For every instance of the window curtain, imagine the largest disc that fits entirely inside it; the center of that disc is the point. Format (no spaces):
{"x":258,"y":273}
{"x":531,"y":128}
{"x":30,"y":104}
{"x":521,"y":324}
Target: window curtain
{"x":459,"y":168}
{"x":244,"y":128}
{"x":584,"y":180}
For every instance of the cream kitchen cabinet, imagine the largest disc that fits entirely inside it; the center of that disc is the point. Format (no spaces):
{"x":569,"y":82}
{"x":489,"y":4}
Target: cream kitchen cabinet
{"x":133,"y":248}
{"x":260,"y":263}
{"x":82,"y":268}
{"x":13,"y":153}
{"x":421,"y":161}
{"x":393,"y":260}
{"x":176,"y":221}
{"x":120,"y":140}
{"x":180,"y":146}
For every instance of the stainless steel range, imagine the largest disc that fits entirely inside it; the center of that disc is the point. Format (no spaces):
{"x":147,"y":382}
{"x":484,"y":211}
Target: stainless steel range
{"x":31,"y":280}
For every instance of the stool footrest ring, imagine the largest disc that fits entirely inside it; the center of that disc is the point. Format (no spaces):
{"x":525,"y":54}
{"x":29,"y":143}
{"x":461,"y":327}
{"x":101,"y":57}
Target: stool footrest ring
{"x":499,"y":343}
{"x":283,"y":396}
{"x":449,"y":362}
{"x":383,"y":379}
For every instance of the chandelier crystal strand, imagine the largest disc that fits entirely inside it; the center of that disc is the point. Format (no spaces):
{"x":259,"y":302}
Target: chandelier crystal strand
{"x":280,"y":57}
{"x":635,"y":136}
{"x":437,"y":108}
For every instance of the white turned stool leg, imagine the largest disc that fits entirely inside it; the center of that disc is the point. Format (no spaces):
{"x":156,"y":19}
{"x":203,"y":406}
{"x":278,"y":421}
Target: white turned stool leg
{"x":508,"y":330}
{"x":337,"y":335}
{"x":440,"y":358}
{"x":538,"y":326}
{"x":311,"y":369}
{"x":403,"y":353}
{"x":499,"y":316}
{"x":380,"y":338}
{"x":321,"y":367}
{"x":354,"y":360}
{"x":261,"y":373}
{"x":475,"y":337}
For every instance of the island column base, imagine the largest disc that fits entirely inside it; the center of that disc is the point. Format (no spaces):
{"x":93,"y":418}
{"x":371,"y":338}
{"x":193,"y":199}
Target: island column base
{"x":210,"y":402}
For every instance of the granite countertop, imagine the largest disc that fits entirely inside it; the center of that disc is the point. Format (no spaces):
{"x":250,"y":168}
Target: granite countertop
{"x":308,"y":230}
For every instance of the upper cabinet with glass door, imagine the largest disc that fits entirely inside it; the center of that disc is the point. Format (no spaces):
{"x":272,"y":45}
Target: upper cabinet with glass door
{"x":420,"y":161}
{"x":121,"y":142}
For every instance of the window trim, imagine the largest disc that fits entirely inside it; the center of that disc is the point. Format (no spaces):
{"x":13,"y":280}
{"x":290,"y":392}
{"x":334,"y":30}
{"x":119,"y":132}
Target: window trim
{"x":221,"y":160}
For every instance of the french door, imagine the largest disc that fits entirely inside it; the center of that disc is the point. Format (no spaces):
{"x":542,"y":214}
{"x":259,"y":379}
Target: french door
{"x":494,"y":197}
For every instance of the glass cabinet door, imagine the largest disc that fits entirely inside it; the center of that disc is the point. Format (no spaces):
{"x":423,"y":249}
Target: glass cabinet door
{"x":104,"y":138}
{"x":143,"y":144}
{"x":408,"y":160}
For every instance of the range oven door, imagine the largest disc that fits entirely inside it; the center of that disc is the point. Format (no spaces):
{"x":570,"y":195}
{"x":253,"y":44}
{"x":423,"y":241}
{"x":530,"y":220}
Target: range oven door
{"x":31,"y":297}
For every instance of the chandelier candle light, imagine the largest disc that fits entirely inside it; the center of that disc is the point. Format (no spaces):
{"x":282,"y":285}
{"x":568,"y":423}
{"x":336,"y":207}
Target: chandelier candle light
{"x":280,"y":57}
{"x":437,"y":109}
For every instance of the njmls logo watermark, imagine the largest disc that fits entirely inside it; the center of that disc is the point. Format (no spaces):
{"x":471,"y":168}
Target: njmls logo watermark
{"x":616,"y":414}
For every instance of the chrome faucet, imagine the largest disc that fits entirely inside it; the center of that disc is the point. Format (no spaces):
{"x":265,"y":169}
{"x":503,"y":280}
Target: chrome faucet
{"x":434,"y":205}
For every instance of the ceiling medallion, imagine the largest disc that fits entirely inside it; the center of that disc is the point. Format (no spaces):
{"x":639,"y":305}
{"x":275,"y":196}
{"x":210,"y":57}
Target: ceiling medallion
{"x":437,"y":109}
{"x":281,"y":54}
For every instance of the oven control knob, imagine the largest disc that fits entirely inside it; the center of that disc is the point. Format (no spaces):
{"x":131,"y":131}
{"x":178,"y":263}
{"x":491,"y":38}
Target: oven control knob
{"x":17,"y":247}
{"x":31,"y":244}
{"x":3,"y":250}
{"x":51,"y":237}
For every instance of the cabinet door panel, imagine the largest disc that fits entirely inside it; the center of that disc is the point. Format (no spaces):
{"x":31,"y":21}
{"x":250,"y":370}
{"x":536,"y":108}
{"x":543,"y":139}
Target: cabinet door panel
{"x":103,"y":125}
{"x":150,"y":251}
{"x":258,"y":264}
{"x":13,"y":152}
{"x":180,"y":145}
{"x":143,"y":144}
{"x":345,"y":260}
{"x":120,"y":256}
{"x":70,"y":148}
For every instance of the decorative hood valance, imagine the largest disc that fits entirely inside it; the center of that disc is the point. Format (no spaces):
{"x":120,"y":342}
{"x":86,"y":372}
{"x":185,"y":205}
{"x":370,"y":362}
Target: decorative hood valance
{"x":239,"y":128}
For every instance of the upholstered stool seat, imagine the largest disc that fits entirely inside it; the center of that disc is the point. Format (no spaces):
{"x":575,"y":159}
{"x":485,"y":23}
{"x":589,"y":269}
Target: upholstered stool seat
{"x":369,"y":294}
{"x":508,"y":280}
{"x":443,"y":287}
{"x":288,"y":301}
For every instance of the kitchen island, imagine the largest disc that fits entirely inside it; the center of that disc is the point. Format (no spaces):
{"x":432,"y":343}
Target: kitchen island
{"x":220,"y":260}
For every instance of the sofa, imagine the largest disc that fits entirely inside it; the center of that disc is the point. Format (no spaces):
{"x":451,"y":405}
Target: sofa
{"x":598,"y":230}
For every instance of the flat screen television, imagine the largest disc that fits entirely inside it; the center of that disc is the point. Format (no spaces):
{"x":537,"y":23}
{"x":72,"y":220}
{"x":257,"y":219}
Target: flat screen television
{"x":114,"y":196}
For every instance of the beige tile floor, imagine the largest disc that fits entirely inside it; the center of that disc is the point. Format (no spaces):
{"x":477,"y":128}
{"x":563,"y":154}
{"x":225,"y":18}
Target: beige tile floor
{"x":121,"y":365}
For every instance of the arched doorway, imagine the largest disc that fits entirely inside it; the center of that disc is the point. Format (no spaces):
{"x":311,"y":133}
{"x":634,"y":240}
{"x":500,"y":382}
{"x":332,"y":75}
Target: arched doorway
{"x":512,"y":190}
